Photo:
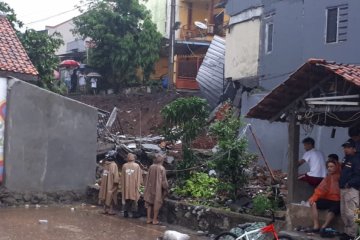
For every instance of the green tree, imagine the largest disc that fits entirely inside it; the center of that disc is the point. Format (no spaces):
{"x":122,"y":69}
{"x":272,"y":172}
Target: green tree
{"x":41,"y":49}
{"x":184,"y":119}
{"x":123,"y":36}
{"x":232,"y":159}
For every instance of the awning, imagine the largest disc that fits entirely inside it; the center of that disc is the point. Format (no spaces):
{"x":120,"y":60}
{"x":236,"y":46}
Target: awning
{"x":334,"y":86}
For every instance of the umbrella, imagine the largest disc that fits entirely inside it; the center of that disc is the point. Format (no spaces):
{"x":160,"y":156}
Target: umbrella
{"x":93,"y":74}
{"x":69,"y":63}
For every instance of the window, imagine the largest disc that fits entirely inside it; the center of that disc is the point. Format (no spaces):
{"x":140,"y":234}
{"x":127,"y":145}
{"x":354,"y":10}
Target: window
{"x":336,"y":24}
{"x":269,"y":32}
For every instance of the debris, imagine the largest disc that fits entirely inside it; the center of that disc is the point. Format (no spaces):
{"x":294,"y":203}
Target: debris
{"x":174,"y":235}
{"x":151,"y":147}
{"x":169,"y":159}
{"x":131,"y":146}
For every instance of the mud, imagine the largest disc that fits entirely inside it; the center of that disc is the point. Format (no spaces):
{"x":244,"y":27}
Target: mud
{"x":82,"y":222}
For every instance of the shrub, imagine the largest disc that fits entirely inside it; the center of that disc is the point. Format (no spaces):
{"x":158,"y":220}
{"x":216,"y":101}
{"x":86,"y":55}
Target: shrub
{"x":261,"y":203}
{"x":199,"y":185}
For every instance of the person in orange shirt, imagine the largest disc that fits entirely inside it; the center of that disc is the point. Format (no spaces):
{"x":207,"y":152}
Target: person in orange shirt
{"x":327,"y":195}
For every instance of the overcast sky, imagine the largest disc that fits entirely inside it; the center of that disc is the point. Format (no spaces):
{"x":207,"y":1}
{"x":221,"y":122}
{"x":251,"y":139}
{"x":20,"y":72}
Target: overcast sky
{"x":37,"y":14}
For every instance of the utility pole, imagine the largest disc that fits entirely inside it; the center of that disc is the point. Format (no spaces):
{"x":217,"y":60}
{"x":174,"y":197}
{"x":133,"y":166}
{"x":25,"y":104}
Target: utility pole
{"x":172,"y":44}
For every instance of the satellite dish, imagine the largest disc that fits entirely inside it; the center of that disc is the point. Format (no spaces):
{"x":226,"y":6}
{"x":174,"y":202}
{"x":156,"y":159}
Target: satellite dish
{"x":200,"y":25}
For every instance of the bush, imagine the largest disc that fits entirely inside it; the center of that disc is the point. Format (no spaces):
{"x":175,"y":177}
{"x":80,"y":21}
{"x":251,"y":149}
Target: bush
{"x":261,"y":203}
{"x":199,"y":186}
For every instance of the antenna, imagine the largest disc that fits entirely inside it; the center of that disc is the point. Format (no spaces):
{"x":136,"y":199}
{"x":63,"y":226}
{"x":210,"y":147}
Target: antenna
{"x":200,"y":25}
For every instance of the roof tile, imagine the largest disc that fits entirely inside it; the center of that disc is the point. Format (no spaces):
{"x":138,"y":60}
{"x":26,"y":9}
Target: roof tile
{"x":13,"y":57}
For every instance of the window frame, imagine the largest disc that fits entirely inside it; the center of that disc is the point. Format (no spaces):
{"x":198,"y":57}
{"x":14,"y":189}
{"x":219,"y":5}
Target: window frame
{"x":267,"y":51}
{"x":337,"y":24}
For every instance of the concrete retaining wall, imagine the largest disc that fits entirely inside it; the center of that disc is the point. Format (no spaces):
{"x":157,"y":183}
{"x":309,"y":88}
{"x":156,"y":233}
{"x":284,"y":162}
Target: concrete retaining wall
{"x":50,"y":141}
{"x":206,"y":219}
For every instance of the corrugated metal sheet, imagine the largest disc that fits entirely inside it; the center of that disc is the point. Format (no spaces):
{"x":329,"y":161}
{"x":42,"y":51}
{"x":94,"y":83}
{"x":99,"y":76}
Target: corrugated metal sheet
{"x":211,"y":73}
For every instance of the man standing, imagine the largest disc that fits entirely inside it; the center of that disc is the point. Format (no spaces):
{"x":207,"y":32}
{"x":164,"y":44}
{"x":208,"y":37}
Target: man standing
{"x":316,"y":161}
{"x":131,"y":181}
{"x":349,"y":188}
{"x":155,"y":189}
{"x":109,"y":186}
{"x":354,"y":134}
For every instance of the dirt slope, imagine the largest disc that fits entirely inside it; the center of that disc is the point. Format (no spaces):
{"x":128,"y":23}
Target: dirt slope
{"x":139,"y":113}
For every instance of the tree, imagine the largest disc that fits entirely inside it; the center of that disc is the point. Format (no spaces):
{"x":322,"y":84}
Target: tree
{"x":232,"y":159}
{"x":184,"y":119}
{"x":10,"y":14}
{"x":41,"y":50}
{"x":123,"y":36}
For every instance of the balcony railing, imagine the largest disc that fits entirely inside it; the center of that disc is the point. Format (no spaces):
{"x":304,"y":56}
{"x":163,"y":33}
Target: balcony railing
{"x":193,"y":32}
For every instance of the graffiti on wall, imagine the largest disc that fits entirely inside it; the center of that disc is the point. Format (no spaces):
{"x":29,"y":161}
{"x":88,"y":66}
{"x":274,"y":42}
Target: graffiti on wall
{"x":3,"y":91}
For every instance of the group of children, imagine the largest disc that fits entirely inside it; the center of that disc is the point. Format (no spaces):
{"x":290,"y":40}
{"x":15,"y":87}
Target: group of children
{"x":337,"y":190}
{"x":155,"y":187}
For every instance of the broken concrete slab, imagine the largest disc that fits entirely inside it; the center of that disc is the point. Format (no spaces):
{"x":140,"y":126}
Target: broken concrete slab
{"x":151,"y":147}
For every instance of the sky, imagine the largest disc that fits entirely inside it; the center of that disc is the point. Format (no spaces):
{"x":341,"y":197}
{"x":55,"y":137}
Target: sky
{"x":37,"y":14}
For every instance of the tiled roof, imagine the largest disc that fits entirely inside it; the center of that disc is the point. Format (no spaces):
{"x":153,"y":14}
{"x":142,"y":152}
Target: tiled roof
{"x":13,"y":57}
{"x":300,"y":84}
{"x":349,"y":72}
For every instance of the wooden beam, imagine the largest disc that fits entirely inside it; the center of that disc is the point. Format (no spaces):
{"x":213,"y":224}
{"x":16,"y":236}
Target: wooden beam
{"x":293,"y":155}
{"x":293,"y":103}
{"x":337,"y":109}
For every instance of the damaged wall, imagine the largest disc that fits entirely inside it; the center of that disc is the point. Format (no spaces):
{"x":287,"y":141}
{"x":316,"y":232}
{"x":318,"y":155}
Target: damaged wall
{"x":50,"y":141}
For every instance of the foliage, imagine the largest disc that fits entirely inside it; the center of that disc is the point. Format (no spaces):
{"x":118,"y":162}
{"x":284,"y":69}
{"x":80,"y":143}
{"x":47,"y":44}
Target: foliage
{"x":10,"y":14}
{"x":184,"y":119}
{"x":41,"y":49}
{"x":262,"y":203}
{"x":123,"y":37}
{"x":232,"y":158}
{"x":199,"y":185}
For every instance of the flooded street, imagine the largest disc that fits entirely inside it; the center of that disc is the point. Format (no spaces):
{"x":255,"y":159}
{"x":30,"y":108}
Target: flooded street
{"x":82,"y":223}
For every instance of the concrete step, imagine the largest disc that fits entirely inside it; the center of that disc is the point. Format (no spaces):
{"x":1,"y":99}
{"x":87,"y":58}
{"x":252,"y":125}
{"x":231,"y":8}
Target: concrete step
{"x":300,"y":215}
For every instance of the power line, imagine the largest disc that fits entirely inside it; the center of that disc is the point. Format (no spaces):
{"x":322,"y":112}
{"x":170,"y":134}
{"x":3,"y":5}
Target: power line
{"x":56,"y":15}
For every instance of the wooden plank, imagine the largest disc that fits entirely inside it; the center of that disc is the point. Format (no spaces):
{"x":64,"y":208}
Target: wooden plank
{"x":293,"y":155}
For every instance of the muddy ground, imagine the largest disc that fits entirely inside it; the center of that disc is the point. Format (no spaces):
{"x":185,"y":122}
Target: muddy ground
{"x":139,"y":113}
{"x":85,"y":222}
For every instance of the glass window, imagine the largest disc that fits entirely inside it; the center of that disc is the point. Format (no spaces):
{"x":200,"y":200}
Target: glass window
{"x":269,"y":31}
{"x":332,"y":25}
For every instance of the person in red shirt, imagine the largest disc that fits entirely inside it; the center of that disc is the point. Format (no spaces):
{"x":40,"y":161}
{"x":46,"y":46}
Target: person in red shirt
{"x":327,"y":195}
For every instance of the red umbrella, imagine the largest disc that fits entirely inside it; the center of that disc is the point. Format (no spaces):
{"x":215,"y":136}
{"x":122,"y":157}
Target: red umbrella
{"x":69,"y":63}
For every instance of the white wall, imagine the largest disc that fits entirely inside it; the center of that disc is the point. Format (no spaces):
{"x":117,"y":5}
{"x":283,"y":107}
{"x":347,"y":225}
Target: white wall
{"x":242,"y":50}
{"x":159,"y":12}
{"x":65,"y":30}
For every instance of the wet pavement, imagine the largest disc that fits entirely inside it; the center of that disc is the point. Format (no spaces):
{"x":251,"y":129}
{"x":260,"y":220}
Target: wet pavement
{"x":84,"y":222}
